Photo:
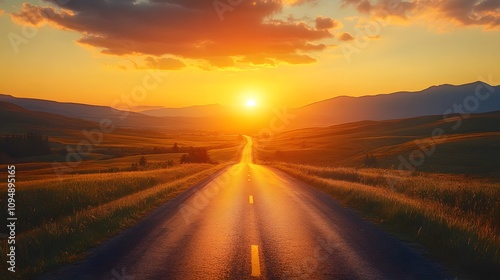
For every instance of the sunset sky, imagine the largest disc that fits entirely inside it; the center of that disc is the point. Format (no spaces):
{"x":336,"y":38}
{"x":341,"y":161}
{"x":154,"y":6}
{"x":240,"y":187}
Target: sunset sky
{"x":286,"y":52}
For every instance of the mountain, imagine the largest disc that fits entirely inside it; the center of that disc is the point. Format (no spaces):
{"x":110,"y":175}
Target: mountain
{"x":64,"y":130}
{"x":211,"y":110}
{"x":432,"y":101}
{"x":96,"y":114}
{"x":75,"y":110}
{"x":209,"y":118}
{"x":435,"y":100}
{"x":19,"y":120}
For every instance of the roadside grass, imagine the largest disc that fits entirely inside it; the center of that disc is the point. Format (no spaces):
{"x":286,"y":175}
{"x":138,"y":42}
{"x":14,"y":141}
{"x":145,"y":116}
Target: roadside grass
{"x":79,"y":192}
{"x":456,"y":218}
{"x":62,"y":220}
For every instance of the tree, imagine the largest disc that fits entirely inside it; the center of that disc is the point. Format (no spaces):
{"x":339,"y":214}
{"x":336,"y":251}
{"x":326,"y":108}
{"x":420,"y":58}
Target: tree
{"x":175,"y":148}
{"x":30,"y":144}
{"x":196,"y":155}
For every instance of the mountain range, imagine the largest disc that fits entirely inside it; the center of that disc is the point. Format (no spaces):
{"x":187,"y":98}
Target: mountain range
{"x":435,"y":100}
{"x":476,"y":97}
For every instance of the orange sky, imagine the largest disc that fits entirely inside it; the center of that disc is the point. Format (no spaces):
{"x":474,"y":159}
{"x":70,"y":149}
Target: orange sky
{"x":276,"y":52}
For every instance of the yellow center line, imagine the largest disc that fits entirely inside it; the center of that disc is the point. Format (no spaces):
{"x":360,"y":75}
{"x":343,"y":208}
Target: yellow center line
{"x":250,"y":199}
{"x":255,"y":261}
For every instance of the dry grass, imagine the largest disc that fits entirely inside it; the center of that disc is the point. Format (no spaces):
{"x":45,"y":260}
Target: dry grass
{"x":62,"y":220}
{"x":99,"y":163}
{"x":472,"y":149}
{"x":63,"y":217}
{"x":455,"y":217}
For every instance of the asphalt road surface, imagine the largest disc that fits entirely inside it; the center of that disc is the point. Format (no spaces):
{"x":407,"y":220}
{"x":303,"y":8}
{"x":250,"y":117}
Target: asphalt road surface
{"x":253,"y":222}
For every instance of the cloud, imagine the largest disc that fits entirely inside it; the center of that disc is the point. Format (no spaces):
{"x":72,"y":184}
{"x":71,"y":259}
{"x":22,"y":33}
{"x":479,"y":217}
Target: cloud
{"x":295,"y":58}
{"x":483,"y":13}
{"x":32,"y":15}
{"x":323,"y":23}
{"x":164,"y":63}
{"x":259,"y":60}
{"x":184,"y":29}
{"x":345,"y":37}
{"x":300,"y":2}
{"x":221,"y":62}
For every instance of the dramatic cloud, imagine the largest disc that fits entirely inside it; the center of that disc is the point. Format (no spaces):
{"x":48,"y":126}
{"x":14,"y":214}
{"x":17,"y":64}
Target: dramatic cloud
{"x":484,"y":13}
{"x":345,"y":37}
{"x":186,"y":29}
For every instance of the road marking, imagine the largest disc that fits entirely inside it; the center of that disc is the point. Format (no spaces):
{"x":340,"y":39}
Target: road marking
{"x":248,"y":179}
{"x":255,"y":261}
{"x":250,"y":199}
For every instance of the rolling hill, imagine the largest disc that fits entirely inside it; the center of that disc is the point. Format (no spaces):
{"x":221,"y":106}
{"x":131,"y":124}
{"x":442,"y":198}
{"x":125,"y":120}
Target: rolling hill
{"x":65,"y":130}
{"x":472,"y":148}
{"x":211,"y":110}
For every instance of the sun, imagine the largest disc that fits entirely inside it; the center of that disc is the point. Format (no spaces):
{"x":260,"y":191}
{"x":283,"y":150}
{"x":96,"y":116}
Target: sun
{"x":251,"y":103}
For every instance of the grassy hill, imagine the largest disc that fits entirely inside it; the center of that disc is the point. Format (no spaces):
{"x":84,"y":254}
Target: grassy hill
{"x":66,"y":132}
{"x":468,"y":145}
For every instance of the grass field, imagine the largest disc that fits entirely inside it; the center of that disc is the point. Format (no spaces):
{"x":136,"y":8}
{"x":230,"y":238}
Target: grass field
{"x":456,"y":218}
{"x":472,"y":148}
{"x":61,"y":220}
{"x":62,"y":217}
{"x":450,"y":203}
{"x":221,"y":149}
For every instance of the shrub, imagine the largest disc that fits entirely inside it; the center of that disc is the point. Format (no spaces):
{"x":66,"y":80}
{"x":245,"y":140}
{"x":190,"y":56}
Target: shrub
{"x":370,"y":161}
{"x":170,"y":163}
{"x":196,"y":155}
{"x":143,"y":161}
{"x":134,"y":166}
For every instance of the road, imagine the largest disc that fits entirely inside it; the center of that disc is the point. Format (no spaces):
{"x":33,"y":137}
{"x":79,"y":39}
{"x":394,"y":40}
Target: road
{"x":253,"y":222}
